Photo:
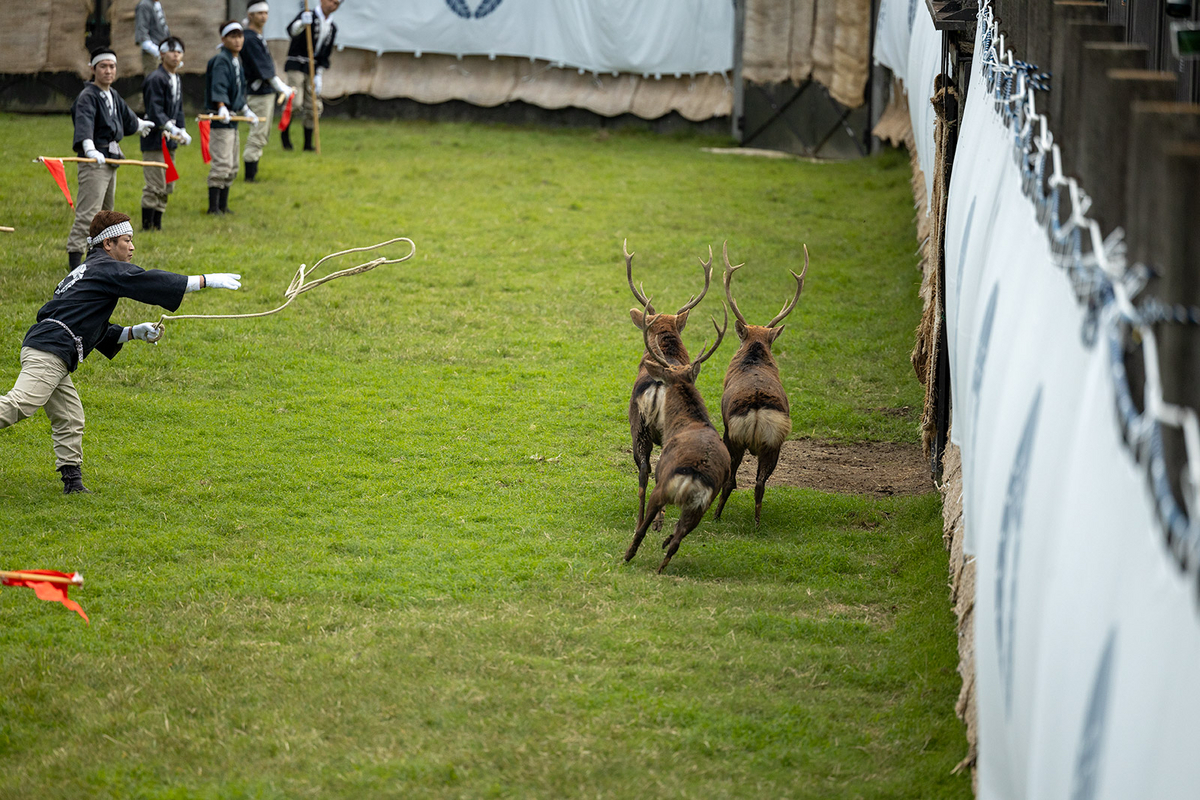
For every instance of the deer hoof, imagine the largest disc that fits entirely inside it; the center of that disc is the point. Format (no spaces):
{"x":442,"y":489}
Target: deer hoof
{"x":658,"y":522}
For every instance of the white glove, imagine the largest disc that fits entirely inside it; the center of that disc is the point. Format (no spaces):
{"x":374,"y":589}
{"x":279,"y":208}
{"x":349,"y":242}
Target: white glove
{"x":223,"y":113}
{"x":306,"y":18}
{"x":222,"y":280}
{"x":282,"y":88}
{"x":150,"y":47}
{"x":93,"y":153}
{"x":317,"y":85}
{"x":246,"y":112}
{"x":185,"y":136}
{"x":144,"y":127}
{"x":148,"y":332}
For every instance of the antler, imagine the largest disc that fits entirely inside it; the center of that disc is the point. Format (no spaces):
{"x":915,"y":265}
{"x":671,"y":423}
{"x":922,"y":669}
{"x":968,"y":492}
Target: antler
{"x":652,"y":343}
{"x":706,"y":353}
{"x":641,"y":298}
{"x":729,"y":270}
{"x":799,"y":288}
{"x":695,"y":301}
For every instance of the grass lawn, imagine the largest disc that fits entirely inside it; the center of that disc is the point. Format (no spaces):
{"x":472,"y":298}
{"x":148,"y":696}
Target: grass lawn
{"x":372,"y":546}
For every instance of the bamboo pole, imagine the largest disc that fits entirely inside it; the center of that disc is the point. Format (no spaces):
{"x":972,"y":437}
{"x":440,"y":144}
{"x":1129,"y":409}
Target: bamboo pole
{"x":7,"y":229}
{"x":219,"y":118}
{"x":312,"y":84}
{"x":74,"y":580}
{"x":120,"y":161}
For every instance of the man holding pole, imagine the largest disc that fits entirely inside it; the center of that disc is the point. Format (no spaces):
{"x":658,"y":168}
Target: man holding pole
{"x":313,"y":36}
{"x":76,"y":321}
{"x":101,"y":120}
{"x":261,"y":82}
{"x":224,"y":95}
{"x":163,"y":97}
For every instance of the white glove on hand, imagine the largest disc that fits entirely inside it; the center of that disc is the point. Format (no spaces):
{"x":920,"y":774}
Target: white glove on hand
{"x":96,"y":154}
{"x":223,"y":113}
{"x":150,"y":47}
{"x":144,"y":127}
{"x":306,"y":17}
{"x":246,"y":112}
{"x":317,"y":85}
{"x":148,"y":332}
{"x":282,"y":88}
{"x":185,"y":136}
{"x":222,"y":280}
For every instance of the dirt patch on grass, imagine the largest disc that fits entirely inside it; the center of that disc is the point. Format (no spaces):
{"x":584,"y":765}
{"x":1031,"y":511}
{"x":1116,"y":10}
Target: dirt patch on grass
{"x":877,"y":468}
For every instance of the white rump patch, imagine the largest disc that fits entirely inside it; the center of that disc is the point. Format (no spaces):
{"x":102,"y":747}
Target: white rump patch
{"x":652,"y":407}
{"x":761,"y":428}
{"x":688,"y":491}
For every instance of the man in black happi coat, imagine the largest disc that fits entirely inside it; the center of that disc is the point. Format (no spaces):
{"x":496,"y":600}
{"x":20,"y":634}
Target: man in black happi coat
{"x":295,"y":69}
{"x":101,"y":120}
{"x":162,"y":93}
{"x":76,"y":321}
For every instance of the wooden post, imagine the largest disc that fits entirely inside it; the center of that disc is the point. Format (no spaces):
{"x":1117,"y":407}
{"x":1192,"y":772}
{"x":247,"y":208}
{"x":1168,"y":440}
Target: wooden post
{"x":1048,"y":24}
{"x":1151,"y":124}
{"x":1092,"y":64}
{"x":312,"y":84}
{"x":1068,"y":39}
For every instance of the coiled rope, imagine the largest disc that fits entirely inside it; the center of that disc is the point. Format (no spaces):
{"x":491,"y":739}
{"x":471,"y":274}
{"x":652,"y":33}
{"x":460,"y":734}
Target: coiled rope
{"x":299,"y":286}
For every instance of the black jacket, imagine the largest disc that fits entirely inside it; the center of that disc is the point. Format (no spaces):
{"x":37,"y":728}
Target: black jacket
{"x":92,"y":120}
{"x":86,"y":298}
{"x":297,"y":55}
{"x":259,"y":65}
{"x":224,"y":82}
{"x":160,"y":107}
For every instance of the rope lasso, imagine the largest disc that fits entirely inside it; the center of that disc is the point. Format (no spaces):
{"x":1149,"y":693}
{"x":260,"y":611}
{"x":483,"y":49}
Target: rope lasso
{"x":298,"y":286}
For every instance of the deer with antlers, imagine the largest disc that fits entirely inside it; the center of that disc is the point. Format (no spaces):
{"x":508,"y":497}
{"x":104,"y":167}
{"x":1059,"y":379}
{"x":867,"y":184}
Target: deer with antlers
{"x":754,"y":406}
{"x":694,"y":464}
{"x":646,"y":402}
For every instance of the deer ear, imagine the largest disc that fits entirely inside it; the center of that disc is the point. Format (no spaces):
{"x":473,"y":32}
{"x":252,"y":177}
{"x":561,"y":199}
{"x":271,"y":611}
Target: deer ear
{"x":740,"y":327}
{"x":775,"y":332}
{"x":680,"y":321}
{"x":638,"y":317}
{"x":654,"y":369}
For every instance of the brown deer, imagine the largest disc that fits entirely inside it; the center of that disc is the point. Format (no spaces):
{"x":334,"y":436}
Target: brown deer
{"x":694,"y":464}
{"x":754,"y":406}
{"x":646,"y":402}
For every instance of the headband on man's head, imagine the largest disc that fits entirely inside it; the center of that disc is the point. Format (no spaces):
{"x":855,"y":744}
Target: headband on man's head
{"x":230,"y":28}
{"x":111,"y":232}
{"x":259,"y":6}
{"x":107,"y":55}
{"x":171,"y":45}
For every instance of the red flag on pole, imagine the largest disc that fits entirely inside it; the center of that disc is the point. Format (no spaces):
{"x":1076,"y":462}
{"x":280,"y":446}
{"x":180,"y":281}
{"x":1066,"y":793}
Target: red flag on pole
{"x":55,"y":165}
{"x":285,"y":118}
{"x":52,"y":585}
{"x":172,"y":175}
{"x":204,"y":126}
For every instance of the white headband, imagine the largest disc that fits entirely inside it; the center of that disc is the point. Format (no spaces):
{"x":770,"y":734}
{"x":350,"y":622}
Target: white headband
{"x":104,"y":57}
{"x":233,"y":26}
{"x":254,"y":7}
{"x":111,"y":232}
{"x":168,"y":47}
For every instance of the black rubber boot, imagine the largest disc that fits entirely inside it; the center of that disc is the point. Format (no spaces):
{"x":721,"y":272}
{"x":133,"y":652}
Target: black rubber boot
{"x":287,"y":140}
{"x":74,"y":259}
{"x":224,"y":200}
{"x":147,"y":219}
{"x":214,"y":198}
{"x":158,"y":220}
{"x":251,"y":171}
{"x":72,"y":478}
{"x":308,"y":134}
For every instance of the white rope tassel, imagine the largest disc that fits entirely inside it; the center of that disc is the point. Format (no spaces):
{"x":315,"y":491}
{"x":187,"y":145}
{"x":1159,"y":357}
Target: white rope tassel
{"x":298,"y":286}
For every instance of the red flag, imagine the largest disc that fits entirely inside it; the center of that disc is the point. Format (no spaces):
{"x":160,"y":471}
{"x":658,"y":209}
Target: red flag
{"x":59,"y":174}
{"x":285,"y":118}
{"x":45,"y":590}
{"x":204,"y":125}
{"x":172,"y":175}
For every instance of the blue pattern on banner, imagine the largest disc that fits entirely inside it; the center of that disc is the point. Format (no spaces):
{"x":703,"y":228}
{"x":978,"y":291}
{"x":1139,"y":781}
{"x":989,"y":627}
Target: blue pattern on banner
{"x":463,"y":10}
{"x":1095,"y":722}
{"x":1009,"y":550}
{"x":912,"y":13}
{"x":962,"y":252}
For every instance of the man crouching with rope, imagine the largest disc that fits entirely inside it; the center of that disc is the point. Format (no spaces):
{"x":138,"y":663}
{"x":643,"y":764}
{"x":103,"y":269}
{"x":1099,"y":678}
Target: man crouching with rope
{"x":76,"y":321}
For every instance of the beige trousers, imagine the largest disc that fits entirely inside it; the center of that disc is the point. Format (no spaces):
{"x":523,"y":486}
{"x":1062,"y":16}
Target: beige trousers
{"x":44,"y":382}
{"x":156,"y":191}
{"x":149,"y":63}
{"x":303,"y":101}
{"x":223,"y":147}
{"x":264,"y":106}
{"x":97,"y":192}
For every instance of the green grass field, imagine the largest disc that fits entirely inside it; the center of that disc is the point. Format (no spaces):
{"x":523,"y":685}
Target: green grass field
{"x":372,"y":546}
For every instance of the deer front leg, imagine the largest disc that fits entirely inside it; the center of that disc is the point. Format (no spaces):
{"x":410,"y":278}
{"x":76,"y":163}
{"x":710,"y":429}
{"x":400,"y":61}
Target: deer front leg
{"x":689,"y":518}
{"x":767,"y":459}
{"x":656,"y":505}
{"x":736,"y":453}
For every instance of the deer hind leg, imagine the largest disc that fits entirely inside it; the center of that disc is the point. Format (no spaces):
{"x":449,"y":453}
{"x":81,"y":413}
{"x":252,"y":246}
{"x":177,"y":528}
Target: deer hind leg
{"x":767,"y":459}
{"x":656,"y":505}
{"x":642,"y":446}
{"x":689,"y":518}
{"x":736,"y":453}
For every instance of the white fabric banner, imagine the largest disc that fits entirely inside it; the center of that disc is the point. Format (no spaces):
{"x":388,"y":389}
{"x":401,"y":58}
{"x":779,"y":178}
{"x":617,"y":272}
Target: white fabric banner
{"x":664,"y":37}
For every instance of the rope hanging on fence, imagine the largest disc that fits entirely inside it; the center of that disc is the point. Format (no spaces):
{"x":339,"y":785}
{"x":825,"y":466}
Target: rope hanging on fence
{"x":298,"y":286}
